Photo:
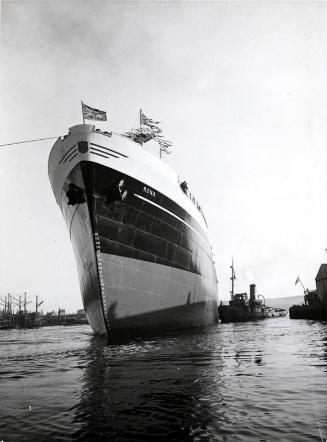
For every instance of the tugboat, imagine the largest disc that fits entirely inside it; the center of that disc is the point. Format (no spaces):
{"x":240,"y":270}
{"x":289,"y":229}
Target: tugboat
{"x":240,"y":307}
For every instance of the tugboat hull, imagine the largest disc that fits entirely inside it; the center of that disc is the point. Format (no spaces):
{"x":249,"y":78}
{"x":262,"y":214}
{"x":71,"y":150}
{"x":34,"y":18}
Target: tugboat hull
{"x":233,"y":314}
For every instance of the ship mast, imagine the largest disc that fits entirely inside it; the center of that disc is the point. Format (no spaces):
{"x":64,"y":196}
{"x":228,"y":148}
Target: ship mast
{"x":140,"y":116}
{"x":233,"y":277}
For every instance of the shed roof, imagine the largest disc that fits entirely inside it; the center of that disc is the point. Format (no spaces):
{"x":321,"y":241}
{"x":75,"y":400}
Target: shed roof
{"x":322,"y":272}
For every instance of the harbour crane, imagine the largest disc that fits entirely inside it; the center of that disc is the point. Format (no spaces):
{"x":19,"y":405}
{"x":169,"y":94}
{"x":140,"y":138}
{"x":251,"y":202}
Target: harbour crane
{"x":37,"y":304}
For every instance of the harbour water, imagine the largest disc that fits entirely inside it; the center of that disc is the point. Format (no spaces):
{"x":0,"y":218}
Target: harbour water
{"x":255,"y":381}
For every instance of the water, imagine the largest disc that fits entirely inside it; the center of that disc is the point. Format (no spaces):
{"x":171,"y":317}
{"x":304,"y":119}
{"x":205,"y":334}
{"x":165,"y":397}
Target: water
{"x":263,"y":381}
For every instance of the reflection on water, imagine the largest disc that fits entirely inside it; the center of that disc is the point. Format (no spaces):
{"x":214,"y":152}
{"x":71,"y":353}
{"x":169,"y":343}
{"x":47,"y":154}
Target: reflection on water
{"x":262,"y":381}
{"x":157,"y":388}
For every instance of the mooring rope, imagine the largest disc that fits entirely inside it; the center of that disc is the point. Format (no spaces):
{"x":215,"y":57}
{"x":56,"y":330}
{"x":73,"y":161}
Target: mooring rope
{"x":29,"y":141}
{"x":41,"y":139}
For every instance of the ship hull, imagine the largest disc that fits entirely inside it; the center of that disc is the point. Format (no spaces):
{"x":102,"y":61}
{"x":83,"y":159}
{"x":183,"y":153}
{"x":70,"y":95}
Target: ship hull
{"x":141,"y":297}
{"x":144,"y":264}
{"x":318,"y":312}
{"x":229,"y":313}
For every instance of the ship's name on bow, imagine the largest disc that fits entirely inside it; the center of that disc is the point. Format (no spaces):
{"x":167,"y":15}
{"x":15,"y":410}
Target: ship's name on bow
{"x":149,"y":191}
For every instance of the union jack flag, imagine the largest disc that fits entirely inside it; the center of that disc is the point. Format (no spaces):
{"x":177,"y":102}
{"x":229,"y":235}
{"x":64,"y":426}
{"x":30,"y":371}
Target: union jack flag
{"x":89,"y":113}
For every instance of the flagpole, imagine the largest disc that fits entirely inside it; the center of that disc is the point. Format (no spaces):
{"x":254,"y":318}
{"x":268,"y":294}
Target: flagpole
{"x":140,"y":117}
{"x":82,"y":112}
{"x":299,"y":280}
{"x":156,"y":139}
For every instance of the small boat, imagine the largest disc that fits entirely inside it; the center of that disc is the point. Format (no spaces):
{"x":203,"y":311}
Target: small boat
{"x":242,"y":308}
{"x":275,"y":312}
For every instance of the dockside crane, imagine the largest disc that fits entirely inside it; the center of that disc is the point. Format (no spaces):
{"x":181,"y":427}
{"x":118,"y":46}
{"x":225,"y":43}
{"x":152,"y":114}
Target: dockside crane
{"x":18,"y":303}
{"x":37,"y":303}
{"x":3,"y":302}
{"x":7,"y":303}
{"x":26,"y":303}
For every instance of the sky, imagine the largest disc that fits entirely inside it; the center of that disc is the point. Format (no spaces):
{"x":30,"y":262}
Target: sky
{"x":241,"y":90}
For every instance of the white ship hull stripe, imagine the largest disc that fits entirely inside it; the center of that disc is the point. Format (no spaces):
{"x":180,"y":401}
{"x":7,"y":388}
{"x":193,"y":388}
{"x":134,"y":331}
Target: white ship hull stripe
{"x":170,"y":213}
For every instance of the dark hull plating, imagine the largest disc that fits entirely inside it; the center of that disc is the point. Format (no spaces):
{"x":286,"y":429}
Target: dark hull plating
{"x":229,"y":313}
{"x":308,"y":312}
{"x":144,"y":263}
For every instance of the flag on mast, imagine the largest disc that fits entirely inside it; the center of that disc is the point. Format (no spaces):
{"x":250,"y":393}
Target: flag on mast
{"x":90,"y":113}
{"x":164,"y":145}
{"x":156,"y":132}
{"x":147,"y":121}
{"x":297,"y":280}
{"x":147,"y":131}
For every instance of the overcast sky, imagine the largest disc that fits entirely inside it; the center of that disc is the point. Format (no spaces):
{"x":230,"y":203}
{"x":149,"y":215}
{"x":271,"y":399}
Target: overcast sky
{"x":241,"y":89}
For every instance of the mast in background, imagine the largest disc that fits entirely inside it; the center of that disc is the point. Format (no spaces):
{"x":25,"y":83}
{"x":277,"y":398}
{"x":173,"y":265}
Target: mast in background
{"x":233,"y":277}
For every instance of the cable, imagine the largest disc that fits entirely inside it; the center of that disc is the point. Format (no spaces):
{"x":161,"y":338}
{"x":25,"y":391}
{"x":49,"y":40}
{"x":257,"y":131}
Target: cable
{"x":41,"y":139}
{"x":28,"y":141}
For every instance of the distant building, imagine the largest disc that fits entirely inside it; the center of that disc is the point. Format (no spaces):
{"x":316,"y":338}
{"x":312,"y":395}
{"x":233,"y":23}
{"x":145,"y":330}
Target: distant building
{"x":321,"y":284}
{"x":53,"y":313}
{"x":61,"y":312}
{"x":80,"y":315}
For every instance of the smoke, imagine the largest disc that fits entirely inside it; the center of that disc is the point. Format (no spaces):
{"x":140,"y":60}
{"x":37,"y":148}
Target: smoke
{"x":249,"y":275}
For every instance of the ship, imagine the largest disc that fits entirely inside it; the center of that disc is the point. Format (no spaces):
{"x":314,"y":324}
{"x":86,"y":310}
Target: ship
{"x":242,"y":308}
{"x":144,"y":260}
{"x":315,"y":301}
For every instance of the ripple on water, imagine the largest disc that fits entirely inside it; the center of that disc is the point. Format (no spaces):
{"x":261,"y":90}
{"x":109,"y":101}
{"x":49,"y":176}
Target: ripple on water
{"x":239,"y":382}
